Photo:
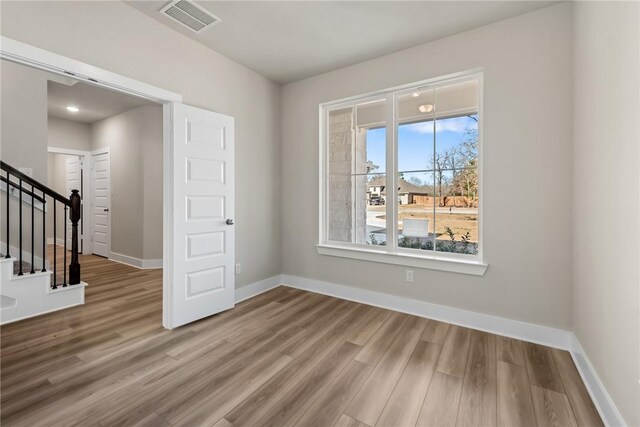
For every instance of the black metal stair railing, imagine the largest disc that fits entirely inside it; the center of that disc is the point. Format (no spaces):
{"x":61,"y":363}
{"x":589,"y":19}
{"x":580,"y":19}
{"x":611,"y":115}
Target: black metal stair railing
{"x":35,"y":191}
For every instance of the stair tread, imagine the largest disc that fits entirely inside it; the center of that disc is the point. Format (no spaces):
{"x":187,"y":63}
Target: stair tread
{"x":26,"y":269}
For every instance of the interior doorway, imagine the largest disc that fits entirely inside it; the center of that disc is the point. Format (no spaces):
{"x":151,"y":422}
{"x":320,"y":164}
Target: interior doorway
{"x":65,"y":173}
{"x":90,"y":173}
{"x":112,"y":143}
{"x":182,"y":285}
{"x":100,"y":202}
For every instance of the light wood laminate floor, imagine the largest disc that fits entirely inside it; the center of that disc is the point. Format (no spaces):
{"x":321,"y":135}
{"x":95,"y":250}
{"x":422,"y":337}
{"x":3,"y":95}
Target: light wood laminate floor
{"x":286,"y":357}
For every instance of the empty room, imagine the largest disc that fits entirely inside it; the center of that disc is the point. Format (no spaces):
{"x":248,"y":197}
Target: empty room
{"x":319,"y":213}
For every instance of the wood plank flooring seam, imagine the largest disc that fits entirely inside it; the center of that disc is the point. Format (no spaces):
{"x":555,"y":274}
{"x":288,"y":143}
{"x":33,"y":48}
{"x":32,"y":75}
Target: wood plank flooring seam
{"x":347,"y":403}
{"x":530,"y":385}
{"x":285,"y":357}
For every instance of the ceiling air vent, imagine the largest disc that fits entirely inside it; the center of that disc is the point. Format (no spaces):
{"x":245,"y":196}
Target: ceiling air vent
{"x":189,"y":14}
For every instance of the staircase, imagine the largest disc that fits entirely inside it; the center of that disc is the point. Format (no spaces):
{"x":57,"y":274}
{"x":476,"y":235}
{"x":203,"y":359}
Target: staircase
{"x":30,"y":295}
{"x":31,"y":285}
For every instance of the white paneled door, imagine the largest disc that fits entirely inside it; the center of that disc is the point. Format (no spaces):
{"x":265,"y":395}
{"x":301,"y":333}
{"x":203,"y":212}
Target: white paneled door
{"x":101,"y":203}
{"x":203,"y":208}
{"x":73,"y":182}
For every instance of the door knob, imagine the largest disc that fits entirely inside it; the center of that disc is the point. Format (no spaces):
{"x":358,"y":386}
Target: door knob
{"x":229,"y":221}
{"x":106,"y":209}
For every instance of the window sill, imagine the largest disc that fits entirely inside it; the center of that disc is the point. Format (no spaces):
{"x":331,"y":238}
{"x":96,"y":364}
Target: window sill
{"x":472,"y":267}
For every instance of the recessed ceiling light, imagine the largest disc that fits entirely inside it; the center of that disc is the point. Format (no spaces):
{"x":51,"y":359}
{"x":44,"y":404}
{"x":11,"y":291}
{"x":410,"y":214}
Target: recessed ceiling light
{"x":415,"y":94}
{"x":426,"y":108}
{"x":73,"y":109}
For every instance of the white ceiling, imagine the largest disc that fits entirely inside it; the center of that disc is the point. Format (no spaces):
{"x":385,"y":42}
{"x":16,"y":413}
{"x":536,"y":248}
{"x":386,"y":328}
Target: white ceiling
{"x":95,"y":103}
{"x":291,"y":40}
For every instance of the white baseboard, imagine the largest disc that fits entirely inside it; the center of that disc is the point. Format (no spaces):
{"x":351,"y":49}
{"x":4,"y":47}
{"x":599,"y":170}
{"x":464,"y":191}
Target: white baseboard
{"x":601,"y":398}
{"x":60,"y":242}
{"x":552,"y":337}
{"x":558,"y":338}
{"x":151,"y":263}
{"x":250,"y":291}
{"x":135,"y":262}
{"x":3,"y":322}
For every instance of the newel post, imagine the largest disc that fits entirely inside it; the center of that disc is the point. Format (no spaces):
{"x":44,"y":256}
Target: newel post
{"x":74,"y":267}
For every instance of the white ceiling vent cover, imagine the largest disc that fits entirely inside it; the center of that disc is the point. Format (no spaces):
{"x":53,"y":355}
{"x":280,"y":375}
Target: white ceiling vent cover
{"x":189,"y":14}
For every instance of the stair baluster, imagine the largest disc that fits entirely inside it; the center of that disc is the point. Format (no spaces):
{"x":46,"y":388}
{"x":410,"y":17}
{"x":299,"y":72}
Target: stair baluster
{"x":33,"y":232}
{"x":55,"y":245}
{"x":44,"y":233}
{"x":8,"y":245}
{"x":20,"y":219}
{"x":64,"y":264}
{"x":72,"y":215}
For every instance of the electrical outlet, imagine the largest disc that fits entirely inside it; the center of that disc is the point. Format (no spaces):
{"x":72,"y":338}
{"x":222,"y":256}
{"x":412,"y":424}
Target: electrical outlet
{"x":238,"y":268}
{"x":410,"y":276}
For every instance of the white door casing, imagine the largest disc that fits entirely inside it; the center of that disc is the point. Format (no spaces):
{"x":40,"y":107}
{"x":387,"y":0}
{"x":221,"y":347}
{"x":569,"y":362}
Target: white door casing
{"x":38,"y":58}
{"x":203,"y":200}
{"x":101,"y":203}
{"x":73,"y":182}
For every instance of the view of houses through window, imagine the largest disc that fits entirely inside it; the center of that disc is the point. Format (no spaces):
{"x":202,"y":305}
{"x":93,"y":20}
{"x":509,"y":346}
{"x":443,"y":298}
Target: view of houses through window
{"x":435,"y":146}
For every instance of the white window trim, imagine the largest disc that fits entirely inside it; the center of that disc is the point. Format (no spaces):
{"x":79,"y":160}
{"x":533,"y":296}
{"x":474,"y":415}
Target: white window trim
{"x":406,"y":259}
{"x":443,"y":261}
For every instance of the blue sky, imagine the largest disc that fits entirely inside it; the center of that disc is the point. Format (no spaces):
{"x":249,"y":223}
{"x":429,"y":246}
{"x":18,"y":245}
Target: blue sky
{"x":415,"y":142}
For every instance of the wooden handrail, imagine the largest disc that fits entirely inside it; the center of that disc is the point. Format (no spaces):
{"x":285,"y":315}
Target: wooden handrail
{"x":41,"y":187}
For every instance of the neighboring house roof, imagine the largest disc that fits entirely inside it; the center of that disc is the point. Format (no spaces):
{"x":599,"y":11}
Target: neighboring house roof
{"x":405,"y":186}
{"x":377,"y":182}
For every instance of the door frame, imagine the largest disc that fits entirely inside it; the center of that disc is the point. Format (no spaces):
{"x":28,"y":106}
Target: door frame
{"x":105,"y":150}
{"x":23,"y":53}
{"x":87,"y":244}
{"x":87,"y":193}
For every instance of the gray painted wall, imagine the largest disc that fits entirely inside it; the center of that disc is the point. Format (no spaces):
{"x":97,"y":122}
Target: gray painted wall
{"x":151,"y":145}
{"x":530,"y":244}
{"x":23,"y":121}
{"x":606,"y":196}
{"x":135,"y":140}
{"x":63,"y":133}
{"x":23,"y":140}
{"x":144,"y":49}
{"x":527,"y":157}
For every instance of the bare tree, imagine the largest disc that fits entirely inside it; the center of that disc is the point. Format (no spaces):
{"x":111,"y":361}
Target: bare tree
{"x":415,"y":180}
{"x":465,"y":180}
{"x":440,"y":163}
{"x":462,"y":162}
{"x":371,"y":168}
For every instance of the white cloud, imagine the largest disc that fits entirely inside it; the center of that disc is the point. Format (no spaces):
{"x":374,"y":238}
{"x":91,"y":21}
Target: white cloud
{"x":458,"y":124}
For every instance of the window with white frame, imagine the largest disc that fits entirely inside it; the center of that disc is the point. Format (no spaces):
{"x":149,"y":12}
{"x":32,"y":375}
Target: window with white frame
{"x":400,"y":171}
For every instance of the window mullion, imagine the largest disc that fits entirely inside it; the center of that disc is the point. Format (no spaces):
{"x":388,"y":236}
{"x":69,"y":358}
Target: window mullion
{"x":354,"y":170}
{"x":436,"y":200}
{"x":392,"y":175}
{"x":323,"y":232}
{"x":344,"y":208}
